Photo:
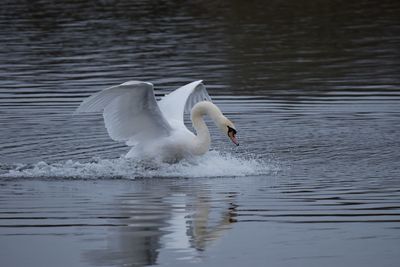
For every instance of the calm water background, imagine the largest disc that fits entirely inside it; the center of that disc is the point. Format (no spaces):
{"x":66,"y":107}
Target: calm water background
{"x":313,"y":87}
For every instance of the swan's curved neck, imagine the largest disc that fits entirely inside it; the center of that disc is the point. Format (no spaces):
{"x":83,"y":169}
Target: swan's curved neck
{"x":203,"y":140}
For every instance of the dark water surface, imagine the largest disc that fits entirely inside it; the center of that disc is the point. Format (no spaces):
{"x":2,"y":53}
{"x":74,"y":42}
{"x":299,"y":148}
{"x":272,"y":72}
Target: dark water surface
{"x":314,"y":90}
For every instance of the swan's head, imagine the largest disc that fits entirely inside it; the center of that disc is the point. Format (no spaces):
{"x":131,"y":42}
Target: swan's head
{"x":228,"y":128}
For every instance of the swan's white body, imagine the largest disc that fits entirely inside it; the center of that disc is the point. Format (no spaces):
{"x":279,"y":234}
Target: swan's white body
{"x":156,"y":129}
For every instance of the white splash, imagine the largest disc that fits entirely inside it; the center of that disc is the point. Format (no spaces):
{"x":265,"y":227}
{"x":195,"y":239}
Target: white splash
{"x":213,"y":164}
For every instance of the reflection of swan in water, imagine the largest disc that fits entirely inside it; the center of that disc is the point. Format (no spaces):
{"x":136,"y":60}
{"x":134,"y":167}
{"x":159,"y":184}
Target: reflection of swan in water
{"x":157,"y":227}
{"x":198,"y":225}
{"x":156,"y":129}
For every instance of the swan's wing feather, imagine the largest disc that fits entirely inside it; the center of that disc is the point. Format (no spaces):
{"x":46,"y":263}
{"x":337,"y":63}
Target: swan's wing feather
{"x":182,"y":100}
{"x":130,"y":112}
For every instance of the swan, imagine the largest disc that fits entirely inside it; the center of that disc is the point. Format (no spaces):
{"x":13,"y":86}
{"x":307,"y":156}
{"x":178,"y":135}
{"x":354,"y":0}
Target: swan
{"x":156,"y":129}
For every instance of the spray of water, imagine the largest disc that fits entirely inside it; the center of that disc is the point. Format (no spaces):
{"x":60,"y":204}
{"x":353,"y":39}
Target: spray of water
{"x":213,"y":164}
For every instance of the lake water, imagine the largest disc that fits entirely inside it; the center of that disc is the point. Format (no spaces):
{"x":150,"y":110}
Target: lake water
{"x":312,"y":86}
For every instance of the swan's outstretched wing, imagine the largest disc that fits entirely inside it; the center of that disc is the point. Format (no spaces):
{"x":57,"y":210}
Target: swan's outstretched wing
{"x":182,"y":100}
{"x":130,"y":112}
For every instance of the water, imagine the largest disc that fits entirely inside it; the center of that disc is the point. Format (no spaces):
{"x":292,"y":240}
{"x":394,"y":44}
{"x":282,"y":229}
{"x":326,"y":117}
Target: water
{"x":312,"y":86}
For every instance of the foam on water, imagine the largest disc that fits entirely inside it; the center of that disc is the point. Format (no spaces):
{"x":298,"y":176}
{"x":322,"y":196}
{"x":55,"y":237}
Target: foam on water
{"x":213,"y":164}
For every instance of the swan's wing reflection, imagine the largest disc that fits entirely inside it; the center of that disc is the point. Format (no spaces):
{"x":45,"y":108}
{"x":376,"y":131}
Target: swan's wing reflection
{"x":136,"y":239}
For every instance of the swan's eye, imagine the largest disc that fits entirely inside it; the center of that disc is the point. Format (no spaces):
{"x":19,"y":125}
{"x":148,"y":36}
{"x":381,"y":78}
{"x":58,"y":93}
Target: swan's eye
{"x":231,"y":130}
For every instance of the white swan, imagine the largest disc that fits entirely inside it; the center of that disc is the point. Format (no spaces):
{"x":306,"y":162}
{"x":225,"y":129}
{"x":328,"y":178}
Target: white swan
{"x":156,"y":129}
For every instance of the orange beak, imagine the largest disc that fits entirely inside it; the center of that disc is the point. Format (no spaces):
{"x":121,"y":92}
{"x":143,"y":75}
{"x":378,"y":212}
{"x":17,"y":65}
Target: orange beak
{"x":232,"y":136}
